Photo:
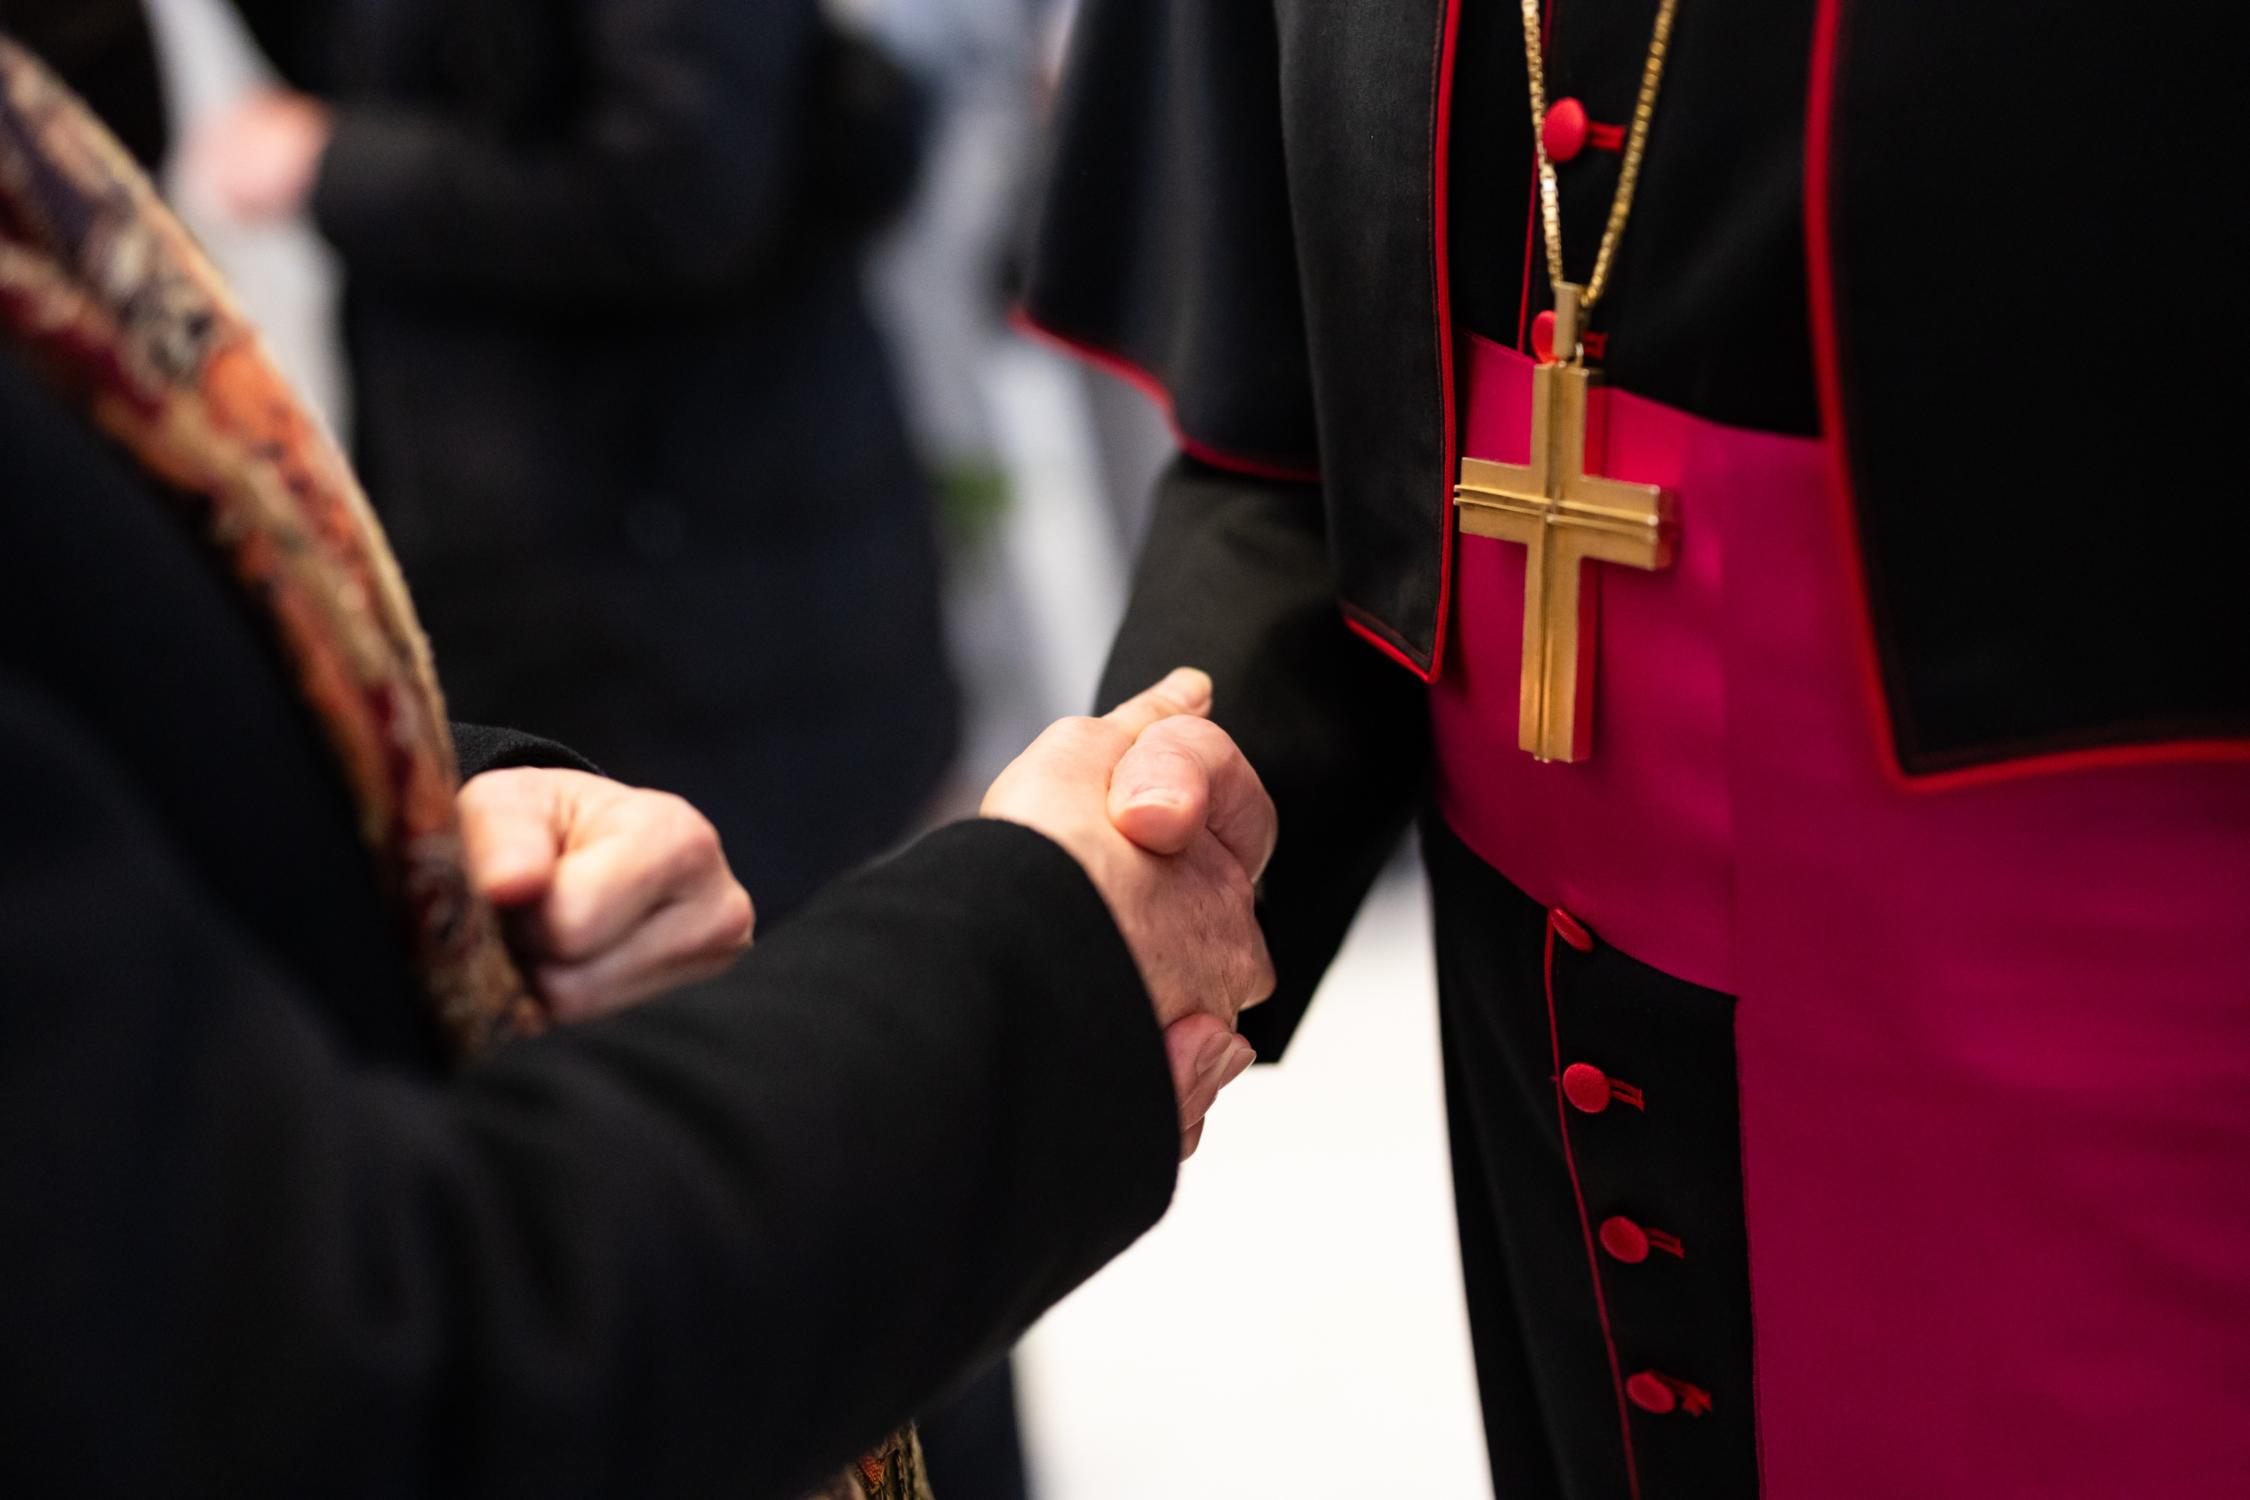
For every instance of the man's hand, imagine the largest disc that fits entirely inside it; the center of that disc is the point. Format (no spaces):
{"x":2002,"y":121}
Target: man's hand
{"x":1174,"y":828}
{"x":610,"y":894}
{"x":257,"y":160}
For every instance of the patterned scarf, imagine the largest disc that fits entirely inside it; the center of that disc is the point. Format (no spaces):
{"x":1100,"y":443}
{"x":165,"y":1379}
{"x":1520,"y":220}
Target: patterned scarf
{"x":104,"y":293}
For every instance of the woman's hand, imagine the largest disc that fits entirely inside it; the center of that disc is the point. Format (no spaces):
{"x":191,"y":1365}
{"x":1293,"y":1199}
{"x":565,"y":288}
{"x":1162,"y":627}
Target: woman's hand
{"x":610,"y":894}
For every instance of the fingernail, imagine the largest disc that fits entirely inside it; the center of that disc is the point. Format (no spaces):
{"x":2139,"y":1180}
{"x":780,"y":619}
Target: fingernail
{"x":1187,"y":686}
{"x":1238,"y":1062}
{"x":1156,"y":794}
{"x":1213,"y":1055}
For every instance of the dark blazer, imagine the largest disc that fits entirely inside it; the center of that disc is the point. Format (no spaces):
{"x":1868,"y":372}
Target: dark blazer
{"x":104,"y":50}
{"x":620,"y":401}
{"x":259,"y":1242}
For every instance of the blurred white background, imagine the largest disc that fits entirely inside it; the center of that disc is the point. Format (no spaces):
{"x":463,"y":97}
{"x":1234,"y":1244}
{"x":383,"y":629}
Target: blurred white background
{"x":1294,"y":1328}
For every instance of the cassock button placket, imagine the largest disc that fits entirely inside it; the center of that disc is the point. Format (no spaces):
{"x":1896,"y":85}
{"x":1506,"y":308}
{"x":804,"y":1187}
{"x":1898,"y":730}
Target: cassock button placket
{"x":1567,"y":131}
{"x":1630,"y":1242}
{"x":1661,"y":1395}
{"x":1590,"y":1090}
{"x":1563,"y":132}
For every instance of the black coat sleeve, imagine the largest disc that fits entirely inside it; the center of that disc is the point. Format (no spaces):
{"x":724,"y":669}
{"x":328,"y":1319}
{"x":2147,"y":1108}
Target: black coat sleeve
{"x":478,"y":748}
{"x":676,"y":174}
{"x":707,"y":1247}
{"x":1234,"y":579}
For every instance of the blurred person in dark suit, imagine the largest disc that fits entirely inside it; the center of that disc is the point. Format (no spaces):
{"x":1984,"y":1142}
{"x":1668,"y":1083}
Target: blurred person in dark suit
{"x":104,"y":50}
{"x":633,"y":431}
{"x":301,"y":1201}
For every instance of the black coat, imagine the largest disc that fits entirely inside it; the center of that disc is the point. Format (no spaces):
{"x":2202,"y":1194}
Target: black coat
{"x":104,"y":50}
{"x":258,"y":1242}
{"x":619,"y":399}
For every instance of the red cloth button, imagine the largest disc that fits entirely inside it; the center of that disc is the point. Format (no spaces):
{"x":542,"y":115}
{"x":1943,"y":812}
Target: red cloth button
{"x":1543,"y":336}
{"x":1651,"y":1392}
{"x":1586,"y":1087}
{"x":1564,"y":133}
{"x":1625,"y":1240}
{"x":1571,"y":930}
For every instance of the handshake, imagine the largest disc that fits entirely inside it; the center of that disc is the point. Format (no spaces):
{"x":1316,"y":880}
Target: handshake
{"x":1172,"y":824}
{"x":612,"y":894}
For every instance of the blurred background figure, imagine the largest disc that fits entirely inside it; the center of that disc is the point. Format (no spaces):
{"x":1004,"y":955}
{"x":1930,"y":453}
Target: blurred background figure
{"x":616,"y":388}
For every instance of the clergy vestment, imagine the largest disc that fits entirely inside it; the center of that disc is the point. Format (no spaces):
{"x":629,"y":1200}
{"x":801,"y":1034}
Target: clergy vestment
{"x":1848,"y":1062}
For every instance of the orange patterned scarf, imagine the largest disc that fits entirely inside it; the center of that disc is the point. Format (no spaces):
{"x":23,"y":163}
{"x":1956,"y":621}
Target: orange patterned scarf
{"x":106,"y":295}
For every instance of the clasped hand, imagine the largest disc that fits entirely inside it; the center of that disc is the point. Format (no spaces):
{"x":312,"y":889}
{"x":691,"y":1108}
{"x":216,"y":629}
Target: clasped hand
{"x":609,"y":893}
{"x":1174,"y":827}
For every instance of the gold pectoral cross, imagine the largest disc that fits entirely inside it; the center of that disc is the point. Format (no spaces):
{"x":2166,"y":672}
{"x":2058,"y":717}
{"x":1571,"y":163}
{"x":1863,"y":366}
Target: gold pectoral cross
{"x":1563,"y":517}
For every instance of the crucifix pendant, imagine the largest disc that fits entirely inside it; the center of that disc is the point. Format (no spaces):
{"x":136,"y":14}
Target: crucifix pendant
{"x":1563,"y":517}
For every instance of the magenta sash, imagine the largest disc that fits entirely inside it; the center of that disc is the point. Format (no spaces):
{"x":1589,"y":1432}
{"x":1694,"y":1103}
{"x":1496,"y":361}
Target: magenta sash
{"x":1994,"y":1038}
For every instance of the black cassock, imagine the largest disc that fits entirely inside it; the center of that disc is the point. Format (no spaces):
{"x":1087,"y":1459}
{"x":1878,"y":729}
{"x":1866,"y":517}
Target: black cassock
{"x":1920,"y":233}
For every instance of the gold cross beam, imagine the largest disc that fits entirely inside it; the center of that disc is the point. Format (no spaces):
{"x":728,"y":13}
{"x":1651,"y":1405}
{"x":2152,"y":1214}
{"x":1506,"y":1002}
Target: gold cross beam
{"x":1562,"y":516}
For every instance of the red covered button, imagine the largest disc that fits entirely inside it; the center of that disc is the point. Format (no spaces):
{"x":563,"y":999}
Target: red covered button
{"x":1652,"y":1392}
{"x":1568,"y":927}
{"x":1625,"y":1240}
{"x":1662,"y":1394}
{"x":1586,"y":1087}
{"x":1543,"y":336}
{"x":1564,"y":132}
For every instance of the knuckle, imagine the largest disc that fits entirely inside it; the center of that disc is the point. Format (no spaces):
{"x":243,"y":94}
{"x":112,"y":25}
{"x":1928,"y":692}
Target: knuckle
{"x":570,"y":935}
{"x":567,"y":924}
{"x":1200,"y":732}
{"x":567,"y":992}
{"x":736,"y":920}
{"x":691,"y":836}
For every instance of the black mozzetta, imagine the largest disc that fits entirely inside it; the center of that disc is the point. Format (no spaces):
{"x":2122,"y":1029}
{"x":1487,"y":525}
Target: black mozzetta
{"x":2004,"y":316}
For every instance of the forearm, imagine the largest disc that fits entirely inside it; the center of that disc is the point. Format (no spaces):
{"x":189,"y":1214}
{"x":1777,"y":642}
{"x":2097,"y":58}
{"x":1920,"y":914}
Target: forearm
{"x":1234,"y":578}
{"x":706,"y":1247}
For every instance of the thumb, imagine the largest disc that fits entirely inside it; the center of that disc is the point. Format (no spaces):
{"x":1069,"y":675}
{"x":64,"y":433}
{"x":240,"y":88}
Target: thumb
{"x":1185,"y":690}
{"x":1162,"y":808}
{"x":510,"y":838}
{"x":1186,"y":774}
{"x":1160,"y":793}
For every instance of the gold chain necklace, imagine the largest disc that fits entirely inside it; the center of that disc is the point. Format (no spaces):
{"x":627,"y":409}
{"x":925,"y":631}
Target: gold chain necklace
{"x":1574,"y":303}
{"x":1563,"y":517}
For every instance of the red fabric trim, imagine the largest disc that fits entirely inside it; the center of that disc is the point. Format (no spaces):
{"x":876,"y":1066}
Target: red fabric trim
{"x":1606,"y":137}
{"x":1586,"y":1229}
{"x":2063,"y":762}
{"x":1530,"y":248}
{"x":1820,"y":280}
{"x":1820,"y":266}
{"x":1441,"y":273}
{"x":1378,"y":635}
{"x":1149,"y":384}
